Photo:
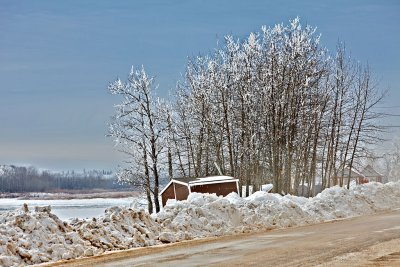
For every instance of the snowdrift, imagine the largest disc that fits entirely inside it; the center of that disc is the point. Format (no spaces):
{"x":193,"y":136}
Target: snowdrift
{"x":32,"y":237}
{"x":36,"y":236}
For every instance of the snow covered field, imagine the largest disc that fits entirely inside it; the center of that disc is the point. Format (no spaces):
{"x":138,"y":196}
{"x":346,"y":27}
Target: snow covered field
{"x":69,"y":208}
{"x":29,"y":237}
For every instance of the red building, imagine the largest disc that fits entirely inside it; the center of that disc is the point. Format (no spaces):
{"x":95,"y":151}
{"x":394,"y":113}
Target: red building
{"x":180,"y":189}
{"x":372,"y":175}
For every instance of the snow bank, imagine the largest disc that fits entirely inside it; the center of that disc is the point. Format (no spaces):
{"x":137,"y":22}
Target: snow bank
{"x":203,"y":215}
{"x":30,"y":237}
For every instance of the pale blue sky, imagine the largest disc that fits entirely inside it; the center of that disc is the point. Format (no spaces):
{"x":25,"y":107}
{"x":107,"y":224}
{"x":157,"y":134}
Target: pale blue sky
{"x":57,"y":57}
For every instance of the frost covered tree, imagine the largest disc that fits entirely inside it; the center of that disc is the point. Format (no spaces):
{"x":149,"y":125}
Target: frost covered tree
{"x":392,"y":164}
{"x":274,"y":107}
{"x":352,"y":119}
{"x":137,"y":129}
{"x":239,"y":98}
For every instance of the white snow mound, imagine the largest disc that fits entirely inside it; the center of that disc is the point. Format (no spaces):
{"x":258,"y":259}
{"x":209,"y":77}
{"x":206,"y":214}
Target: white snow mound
{"x":32,"y":237}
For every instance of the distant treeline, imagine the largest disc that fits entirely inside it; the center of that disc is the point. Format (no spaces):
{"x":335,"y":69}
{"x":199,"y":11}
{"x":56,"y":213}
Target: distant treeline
{"x":14,"y":179}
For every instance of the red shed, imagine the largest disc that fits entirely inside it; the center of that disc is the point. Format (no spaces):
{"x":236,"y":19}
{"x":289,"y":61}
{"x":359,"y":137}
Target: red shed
{"x":372,"y":175}
{"x":179,"y":189}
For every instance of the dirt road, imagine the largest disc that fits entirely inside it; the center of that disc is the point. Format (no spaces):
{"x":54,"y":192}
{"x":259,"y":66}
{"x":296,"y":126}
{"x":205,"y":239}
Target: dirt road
{"x":372,"y":240}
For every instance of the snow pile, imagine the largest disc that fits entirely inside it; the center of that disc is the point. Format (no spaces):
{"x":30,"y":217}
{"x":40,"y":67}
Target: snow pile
{"x":208,"y":215}
{"x":198,"y":216}
{"x":31,"y":237}
{"x":337,"y":202}
{"x":118,"y":228}
{"x":34,"y":237}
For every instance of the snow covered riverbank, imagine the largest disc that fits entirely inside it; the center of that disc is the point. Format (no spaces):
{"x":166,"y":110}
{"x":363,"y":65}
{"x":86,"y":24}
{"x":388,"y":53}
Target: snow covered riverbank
{"x":69,"y":208}
{"x":29,"y":237}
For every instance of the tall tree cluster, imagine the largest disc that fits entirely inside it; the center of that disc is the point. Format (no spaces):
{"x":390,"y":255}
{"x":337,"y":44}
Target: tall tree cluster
{"x":138,"y":129}
{"x":275,"y":107}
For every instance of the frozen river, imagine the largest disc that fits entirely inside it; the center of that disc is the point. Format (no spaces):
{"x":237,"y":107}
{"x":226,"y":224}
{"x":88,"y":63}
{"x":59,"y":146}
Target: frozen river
{"x":69,"y":208}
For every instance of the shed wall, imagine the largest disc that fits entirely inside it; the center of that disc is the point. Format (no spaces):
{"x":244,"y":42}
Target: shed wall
{"x":219,"y":189}
{"x":182,"y":193}
{"x":168,"y":194}
{"x":375,"y":179}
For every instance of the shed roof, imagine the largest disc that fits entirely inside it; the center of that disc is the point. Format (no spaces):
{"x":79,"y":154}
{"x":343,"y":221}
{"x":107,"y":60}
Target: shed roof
{"x":369,"y":171}
{"x":185,"y":180}
{"x":353,"y":174}
{"x":200,"y":181}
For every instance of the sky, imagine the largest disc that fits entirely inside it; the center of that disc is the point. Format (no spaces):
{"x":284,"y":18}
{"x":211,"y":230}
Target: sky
{"x":57,"y":58}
